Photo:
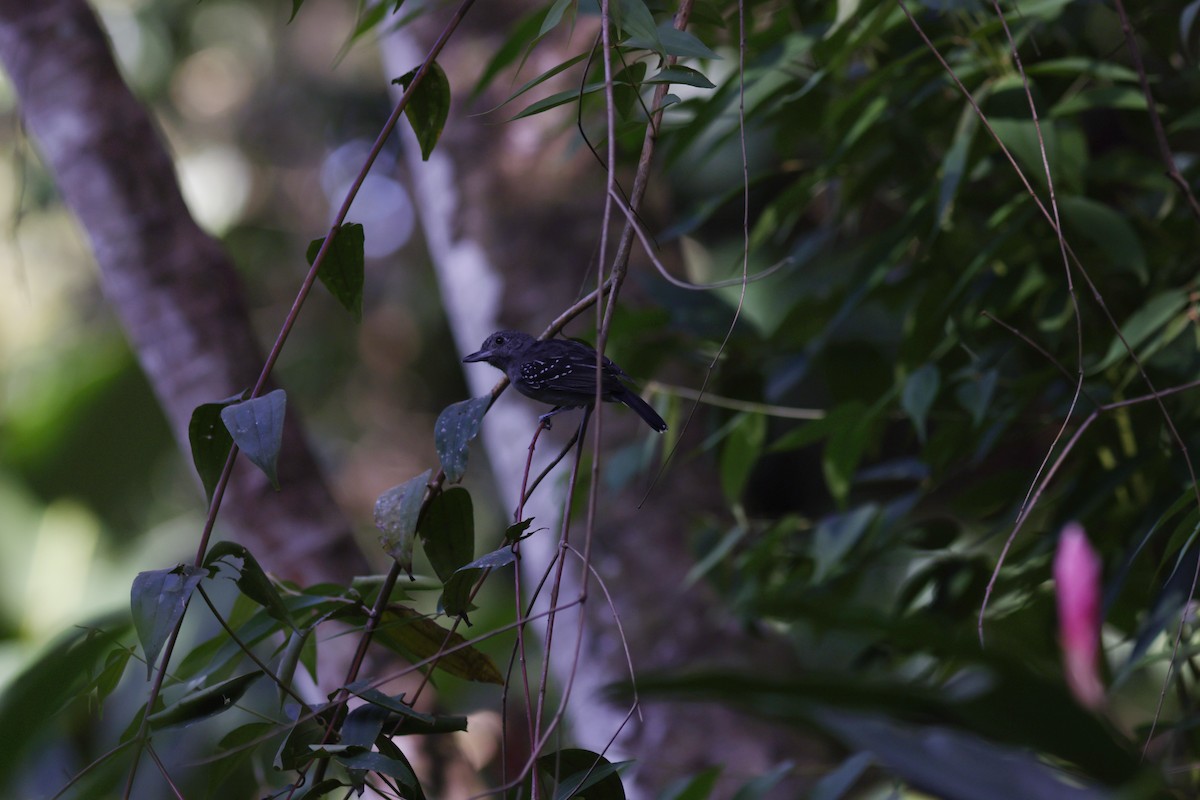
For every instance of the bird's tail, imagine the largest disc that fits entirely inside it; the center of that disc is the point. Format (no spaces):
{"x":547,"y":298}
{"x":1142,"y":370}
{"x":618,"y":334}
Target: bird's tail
{"x":643,"y":409}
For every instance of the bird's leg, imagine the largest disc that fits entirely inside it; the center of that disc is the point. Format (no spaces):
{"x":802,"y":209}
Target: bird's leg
{"x":544,"y":419}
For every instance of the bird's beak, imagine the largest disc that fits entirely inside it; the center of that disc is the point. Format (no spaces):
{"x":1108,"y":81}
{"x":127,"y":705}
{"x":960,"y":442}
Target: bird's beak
{"x":479,"y":355}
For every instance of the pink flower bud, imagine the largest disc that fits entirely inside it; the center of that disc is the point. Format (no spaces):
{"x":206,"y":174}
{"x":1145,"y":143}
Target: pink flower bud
{"x":1077,"y":585}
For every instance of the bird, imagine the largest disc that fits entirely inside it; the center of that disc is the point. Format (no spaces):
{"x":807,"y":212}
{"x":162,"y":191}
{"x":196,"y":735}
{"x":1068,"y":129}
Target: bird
{"x":561,"y":373}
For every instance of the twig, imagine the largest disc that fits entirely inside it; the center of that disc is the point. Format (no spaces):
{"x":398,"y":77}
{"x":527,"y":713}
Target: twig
{"x":245,"y":648}
{"x":1160,"y":134}
{"x":163,"y":769}
{"x":1062,"y":245}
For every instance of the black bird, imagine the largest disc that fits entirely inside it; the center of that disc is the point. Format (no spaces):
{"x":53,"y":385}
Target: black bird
{"x":561,"y":373}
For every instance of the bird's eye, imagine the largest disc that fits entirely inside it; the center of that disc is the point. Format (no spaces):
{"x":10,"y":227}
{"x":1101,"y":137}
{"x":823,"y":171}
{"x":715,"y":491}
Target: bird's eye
{"x":499,"y":340}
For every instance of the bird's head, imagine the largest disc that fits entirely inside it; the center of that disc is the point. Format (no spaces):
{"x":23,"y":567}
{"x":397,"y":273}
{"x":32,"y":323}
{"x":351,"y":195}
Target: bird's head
{"x":501,"y":347}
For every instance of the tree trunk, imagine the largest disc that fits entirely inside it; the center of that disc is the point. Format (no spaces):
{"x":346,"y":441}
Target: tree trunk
{"x":172,"y":285}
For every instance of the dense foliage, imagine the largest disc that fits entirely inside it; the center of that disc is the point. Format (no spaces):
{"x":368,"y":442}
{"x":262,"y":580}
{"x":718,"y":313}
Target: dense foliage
{"x":922,"y":370}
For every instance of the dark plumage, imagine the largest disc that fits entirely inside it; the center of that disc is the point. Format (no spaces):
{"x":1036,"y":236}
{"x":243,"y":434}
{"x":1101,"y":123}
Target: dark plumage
{"x":561,"y":373}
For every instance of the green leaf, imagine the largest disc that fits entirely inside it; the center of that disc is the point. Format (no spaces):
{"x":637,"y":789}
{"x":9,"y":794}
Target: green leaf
{"x":295,"y":9}
{"x":296,"y":749}
{"x":975,"y":394}
{"x":1074,"y":67}
{"x":396,"y":513}
{"x":851,"y":428}
{"x":1125,"y":98}
{"x":695,"y":787}
{"x":834,"y":785}
{"x":456,"y":426}
{"x":542,"y":78}
{"x":205,"y":703}
{"x":44,"y":685}
{"x":557,"y":99}
{"x":389,"y":749}
{"x":634,"y":19}
{"x":954,"y":162}
{"x":367,"y":18}
{"x":683,"y":44}
{"x":385,"y":702}
{"x":210,"y":442}
{"x":405,"y":717}
{"x":377,"y":762}
{"x":457,"y":592}
{"x":740,"y":453}
{"x":363,"y":725}
{"x":114,"y":670}
{"x":343,"y":270}
{"x":1110,"y":231}
{"x":322,"y":789}
{"x":494,"y":559}
{"x":520,"y":35}
{"x":1155,"y":314}
{"x":429,"y":106}
{"x":583,"y":774}
{"x":289,"y":659}
{"x":761,"y":786}
{"x":448,"y":531}
{"x":1020,"y":136}
{"x":252,"y":581}
{"x":516,"y":531}
{"x":553,"y":17}
{"x":233,"y":751}
{"x":257,"y":428}
{"x":949,"y":763}
{"x":682,"y":75}
{"x":919,"y":392}
{"x":836,"y":535}
{"x":158,"y":599}
{"x":417,"y":638}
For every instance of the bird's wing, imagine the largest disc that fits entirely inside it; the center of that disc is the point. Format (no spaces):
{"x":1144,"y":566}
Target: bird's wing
{"x":573,"y":371}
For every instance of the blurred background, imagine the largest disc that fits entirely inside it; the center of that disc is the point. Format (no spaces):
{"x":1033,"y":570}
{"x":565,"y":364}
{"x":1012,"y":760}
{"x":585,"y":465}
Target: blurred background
{"x":268,"y":123}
